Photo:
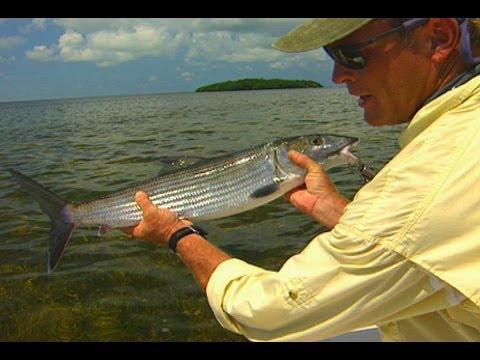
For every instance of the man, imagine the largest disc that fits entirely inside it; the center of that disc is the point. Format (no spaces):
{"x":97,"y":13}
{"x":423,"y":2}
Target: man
{"x":404,"y":255}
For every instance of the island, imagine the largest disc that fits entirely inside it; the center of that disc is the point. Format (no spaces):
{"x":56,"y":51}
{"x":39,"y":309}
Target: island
{"x":259,"y":84}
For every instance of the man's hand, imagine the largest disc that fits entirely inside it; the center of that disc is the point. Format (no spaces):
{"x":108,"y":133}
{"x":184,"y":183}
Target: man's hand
{"x":318,"y":197}
{"x":157,"y":224}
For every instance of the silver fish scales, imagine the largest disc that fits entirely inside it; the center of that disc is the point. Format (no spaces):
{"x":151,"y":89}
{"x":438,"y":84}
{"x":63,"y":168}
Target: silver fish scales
{"x":215,"y":188}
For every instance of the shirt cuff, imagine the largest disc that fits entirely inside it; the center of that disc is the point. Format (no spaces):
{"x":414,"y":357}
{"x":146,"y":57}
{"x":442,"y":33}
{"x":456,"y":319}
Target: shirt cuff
{"x":217,"y":286}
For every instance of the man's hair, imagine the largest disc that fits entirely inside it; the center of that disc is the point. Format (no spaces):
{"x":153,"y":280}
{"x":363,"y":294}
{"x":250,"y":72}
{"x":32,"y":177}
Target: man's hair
{"x":474,"y":27}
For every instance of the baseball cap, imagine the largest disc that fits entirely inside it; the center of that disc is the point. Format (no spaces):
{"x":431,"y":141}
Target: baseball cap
{"x":315,"y":33}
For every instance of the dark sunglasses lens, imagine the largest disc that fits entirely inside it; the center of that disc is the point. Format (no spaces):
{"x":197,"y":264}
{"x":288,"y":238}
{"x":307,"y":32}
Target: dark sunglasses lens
{"x":349,"y":60}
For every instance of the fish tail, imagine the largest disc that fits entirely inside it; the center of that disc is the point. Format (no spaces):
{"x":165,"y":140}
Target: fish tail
{"x":61,"y":226}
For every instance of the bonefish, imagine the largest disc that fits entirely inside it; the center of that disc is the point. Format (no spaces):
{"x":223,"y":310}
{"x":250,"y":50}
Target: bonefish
{"x":210,"y":189}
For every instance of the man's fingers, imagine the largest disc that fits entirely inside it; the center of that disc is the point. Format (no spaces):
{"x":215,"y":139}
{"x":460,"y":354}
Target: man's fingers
{"x":128,"y":230}
{"x":144,"y":202}
{"x":304,"y":161}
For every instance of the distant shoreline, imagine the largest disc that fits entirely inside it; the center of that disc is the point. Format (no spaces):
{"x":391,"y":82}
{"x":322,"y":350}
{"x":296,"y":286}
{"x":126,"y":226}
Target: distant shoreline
{"x":259,"y":84}
{"x":84,"y":96}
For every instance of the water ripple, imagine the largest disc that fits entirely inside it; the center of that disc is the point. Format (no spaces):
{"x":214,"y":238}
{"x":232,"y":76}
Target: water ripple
{"x":116,"y":288}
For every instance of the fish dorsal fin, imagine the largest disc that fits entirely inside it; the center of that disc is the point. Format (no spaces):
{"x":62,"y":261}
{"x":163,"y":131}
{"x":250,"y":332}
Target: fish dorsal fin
{"x":174,"y":163}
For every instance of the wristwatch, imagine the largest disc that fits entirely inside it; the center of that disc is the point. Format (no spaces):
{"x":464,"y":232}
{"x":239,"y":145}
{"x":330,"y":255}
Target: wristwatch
{"x":181,"y":233}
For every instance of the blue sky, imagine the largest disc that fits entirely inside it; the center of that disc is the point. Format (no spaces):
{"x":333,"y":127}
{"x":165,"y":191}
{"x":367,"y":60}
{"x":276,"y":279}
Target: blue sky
{"x":58,"y":58}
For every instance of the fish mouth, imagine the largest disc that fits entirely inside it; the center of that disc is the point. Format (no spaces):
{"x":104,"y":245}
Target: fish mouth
{"x":347,"y":152}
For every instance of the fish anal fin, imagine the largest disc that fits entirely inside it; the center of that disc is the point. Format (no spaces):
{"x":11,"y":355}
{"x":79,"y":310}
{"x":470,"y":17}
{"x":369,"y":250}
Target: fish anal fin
{"x":102,"y":229}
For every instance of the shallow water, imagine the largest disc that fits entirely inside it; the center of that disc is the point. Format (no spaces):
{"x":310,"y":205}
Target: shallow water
{"x":113,"y":288}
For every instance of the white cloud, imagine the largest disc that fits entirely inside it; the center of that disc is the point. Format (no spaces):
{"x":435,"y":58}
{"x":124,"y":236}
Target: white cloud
{"x":39,"y":23}
{"x":41,"y":53}
{"x":35,"y":24}
{"x":187,"y":75}
{"x":108,"y":42}
{"x":71,"y":39}
{"x":140,"y":40}
{"x":11,"y":41}
{"x":90,"y":26}
{"x":6,"y":58}
{"x":279,"y":65}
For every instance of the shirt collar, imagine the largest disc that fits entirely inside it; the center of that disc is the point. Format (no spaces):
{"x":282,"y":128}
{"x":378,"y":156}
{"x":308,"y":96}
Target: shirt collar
{"x":457,"y":81}
{"x":448,"y":97}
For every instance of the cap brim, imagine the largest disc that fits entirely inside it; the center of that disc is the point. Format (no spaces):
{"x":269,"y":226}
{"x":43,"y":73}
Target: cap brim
{"x":315,"y":33}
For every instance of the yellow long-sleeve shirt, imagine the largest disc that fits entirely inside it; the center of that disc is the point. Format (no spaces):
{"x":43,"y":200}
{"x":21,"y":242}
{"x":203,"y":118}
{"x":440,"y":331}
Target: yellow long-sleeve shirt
{"x":405,"y":255}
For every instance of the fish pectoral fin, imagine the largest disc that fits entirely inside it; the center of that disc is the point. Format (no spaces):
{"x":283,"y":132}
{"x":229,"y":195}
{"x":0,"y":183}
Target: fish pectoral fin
{"x":264,"y":191}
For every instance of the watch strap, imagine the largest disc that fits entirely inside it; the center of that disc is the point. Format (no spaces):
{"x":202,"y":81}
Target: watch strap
{"x":181,"y":233}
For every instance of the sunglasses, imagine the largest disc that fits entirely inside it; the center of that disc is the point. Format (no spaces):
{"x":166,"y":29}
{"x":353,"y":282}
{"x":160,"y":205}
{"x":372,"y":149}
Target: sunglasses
{"x":352,"y":57}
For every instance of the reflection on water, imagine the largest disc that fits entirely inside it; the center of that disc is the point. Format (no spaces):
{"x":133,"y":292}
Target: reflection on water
{"x":117,"y":289}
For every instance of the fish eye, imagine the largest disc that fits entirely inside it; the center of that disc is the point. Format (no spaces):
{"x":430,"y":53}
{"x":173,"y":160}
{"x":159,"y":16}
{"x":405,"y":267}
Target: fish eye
{"x":317,"y":141}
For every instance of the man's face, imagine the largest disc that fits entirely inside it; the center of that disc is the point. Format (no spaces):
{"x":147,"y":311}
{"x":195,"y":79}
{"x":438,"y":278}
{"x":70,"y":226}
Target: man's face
{"x":396,"y":79}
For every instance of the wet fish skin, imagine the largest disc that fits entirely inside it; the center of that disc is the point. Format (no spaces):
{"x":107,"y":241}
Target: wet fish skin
{"x":210,"y":189}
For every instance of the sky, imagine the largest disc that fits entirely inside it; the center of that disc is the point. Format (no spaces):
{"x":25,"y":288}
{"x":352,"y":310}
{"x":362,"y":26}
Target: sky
{"x":49,"y":58}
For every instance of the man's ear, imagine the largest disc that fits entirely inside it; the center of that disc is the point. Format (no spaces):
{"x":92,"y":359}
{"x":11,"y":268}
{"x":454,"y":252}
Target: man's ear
{"x":445,"y":37}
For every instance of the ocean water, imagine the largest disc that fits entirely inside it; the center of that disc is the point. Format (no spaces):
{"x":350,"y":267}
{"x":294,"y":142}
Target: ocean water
{"x":114,"y":288}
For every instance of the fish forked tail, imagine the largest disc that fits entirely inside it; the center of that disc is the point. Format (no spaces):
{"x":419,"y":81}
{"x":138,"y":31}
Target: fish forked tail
{"x":61,"y":228}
